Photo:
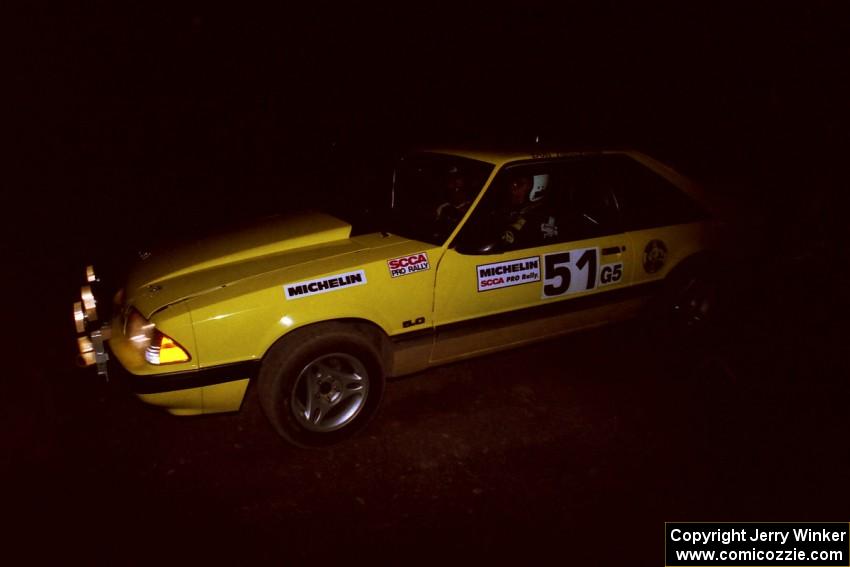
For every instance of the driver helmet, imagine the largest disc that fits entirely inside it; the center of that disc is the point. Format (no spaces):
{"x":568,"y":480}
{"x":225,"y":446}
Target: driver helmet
{"x":538,"y":187}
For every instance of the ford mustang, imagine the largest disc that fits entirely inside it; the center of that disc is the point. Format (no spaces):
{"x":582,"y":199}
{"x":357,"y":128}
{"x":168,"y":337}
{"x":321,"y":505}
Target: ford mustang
{"x":473,"y":252}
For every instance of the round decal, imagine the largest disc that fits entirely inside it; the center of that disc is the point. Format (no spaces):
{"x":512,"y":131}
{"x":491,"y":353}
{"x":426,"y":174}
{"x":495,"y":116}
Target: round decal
{"x":654,"y":256}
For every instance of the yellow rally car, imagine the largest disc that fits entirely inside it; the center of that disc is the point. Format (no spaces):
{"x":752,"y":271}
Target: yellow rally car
{"x":477,"y":252}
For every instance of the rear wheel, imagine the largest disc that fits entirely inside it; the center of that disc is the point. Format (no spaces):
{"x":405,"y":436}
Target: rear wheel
{"x":691,"y":301}
{"x":686,"y":314}
{"x":321,"y":385}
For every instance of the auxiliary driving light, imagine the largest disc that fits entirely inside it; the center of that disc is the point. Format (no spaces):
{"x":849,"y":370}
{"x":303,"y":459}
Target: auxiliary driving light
{"x":79,"y":317}
{"x":87,"y":355}
{"x":89,"y":303}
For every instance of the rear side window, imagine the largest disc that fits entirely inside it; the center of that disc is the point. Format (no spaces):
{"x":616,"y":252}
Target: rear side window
{"x":646,"y":199}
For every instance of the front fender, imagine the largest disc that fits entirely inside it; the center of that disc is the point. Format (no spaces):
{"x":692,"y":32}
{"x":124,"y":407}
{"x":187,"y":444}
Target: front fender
{"x":243,"y":327}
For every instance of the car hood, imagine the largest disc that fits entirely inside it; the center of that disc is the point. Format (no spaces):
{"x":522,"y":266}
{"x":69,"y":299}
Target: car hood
{"x":194,"y":268}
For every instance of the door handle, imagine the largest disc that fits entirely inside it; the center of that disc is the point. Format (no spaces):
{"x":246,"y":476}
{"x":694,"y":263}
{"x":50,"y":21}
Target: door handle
{"x":613,"y":250}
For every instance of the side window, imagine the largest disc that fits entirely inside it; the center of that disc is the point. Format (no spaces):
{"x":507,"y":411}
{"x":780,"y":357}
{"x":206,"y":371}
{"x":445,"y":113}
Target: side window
{"x":646,"y":199}
{"x":536,"y":204}
{"x":431,"y":194}
{"x":585,"y":204}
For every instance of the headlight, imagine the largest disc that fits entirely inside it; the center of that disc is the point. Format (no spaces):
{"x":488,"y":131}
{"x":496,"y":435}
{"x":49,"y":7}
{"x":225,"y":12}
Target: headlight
{"x":158,"y":347}
{"x":139,"y":330}
{"x":118,"y":300}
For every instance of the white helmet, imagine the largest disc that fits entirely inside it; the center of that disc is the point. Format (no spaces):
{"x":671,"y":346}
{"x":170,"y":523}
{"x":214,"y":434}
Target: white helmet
{"x":538,"y":187}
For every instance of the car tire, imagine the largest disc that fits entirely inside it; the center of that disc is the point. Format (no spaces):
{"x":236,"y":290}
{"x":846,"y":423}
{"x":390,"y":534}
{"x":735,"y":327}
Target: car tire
{"x":322,"y":384}
{"x":691,"y":300}
{"x":687,"y":310}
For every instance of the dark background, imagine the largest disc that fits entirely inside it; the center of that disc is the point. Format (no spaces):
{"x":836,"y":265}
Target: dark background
{"x":152,"y":112}
{"x":132,"y":125}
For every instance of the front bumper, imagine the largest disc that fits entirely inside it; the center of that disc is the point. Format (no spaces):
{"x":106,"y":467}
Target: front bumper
{"x":194,"y":392}
{"x":183,"y":392}
{"x":187,"y":380}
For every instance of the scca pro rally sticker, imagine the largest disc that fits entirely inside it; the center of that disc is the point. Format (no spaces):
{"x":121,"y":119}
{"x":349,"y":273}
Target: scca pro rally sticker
{"x":408,"y":264}
{"x":324,"y":285}
{"x":506,"y":274}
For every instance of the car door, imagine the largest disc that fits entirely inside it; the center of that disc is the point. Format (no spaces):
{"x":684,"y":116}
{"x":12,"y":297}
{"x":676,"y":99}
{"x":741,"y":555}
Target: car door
{"x":558,"y":273}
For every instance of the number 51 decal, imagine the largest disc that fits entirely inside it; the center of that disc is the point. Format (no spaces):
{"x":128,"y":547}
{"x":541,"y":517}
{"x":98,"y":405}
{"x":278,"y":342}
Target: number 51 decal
{"x":569,"y":272}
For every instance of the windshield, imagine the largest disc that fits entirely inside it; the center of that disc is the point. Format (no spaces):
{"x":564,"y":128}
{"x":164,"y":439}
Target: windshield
{"x":432,"y":192}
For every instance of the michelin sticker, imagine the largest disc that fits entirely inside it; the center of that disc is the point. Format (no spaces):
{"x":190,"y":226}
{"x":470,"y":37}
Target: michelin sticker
{"x":323,"y":285}
{"x":506,"y":274}
{"x":408,"y":264}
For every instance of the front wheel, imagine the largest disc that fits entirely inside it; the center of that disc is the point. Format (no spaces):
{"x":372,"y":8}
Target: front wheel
{"x":321,"y":385}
